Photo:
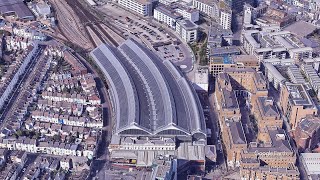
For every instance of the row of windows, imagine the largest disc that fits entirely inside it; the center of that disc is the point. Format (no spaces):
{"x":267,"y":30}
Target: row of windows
{"x":148,"y":148}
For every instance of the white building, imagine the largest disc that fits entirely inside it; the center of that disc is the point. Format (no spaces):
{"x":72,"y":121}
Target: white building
{"x":225,"y":18}
{"x":209,"y":8}
{"x":247,"y":11}
{"x":166,"y":15}
{"x":311,"y":164}
{"x":187,"y":30}
{"x":189,"y":13}
{"x":313,"y":77}
{"x":273,"y":75}
{"x":295,"y":75}
{"x":29,"y":33}
{"x":201,"y":79}
{"x":43,"y":9}
{"x":142,"y":7}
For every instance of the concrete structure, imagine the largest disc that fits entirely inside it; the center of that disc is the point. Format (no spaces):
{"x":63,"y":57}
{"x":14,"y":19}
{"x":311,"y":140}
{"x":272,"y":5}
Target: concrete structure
{"x":311,"y":163}
{"x":273,"y":75}
{"x":248,"y":83}
{"x":209,"y":8}
{"x":187,"y":30}
{"x":153,"y":105}
{"x":43,"y":9}
{"x":307,"y":133}
{"x":267,"y":114}
{"x":201,"y":79}
{"x":17,"y":8}
{"x":166,"y":15}
{"x":218,"y":64}
{"x":296,"y":103}
{"x":272,"y":158}
{"x":142,"y":7}
{"x":225,"y":16}
{"x":295,"y":75}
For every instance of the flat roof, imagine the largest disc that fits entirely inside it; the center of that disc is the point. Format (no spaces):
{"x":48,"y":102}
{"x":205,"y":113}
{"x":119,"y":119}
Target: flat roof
{"x":301,"y":28}
{"x":237,"y":133}
{"x":274,"y":71}
{"x":15,"y":6}
{"x":187,"y":24}
{"x":168,"y":11}
{"x":311,"y":162}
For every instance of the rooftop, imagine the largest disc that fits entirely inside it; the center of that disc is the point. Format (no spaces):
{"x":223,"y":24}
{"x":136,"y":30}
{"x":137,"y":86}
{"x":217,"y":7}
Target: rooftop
{"x":150,"y":96}
{"x":268,"y":108}
{"x":311,"y":162}
{"x":16,"y":6}
{"x":309,"y":125}
{"x":168,"y":11}
{"x":279,"y":143}
{"x":299,"y":95}
{"x":187,"y":24}
{"x":237,"y":133}
{"x":301,"y":28}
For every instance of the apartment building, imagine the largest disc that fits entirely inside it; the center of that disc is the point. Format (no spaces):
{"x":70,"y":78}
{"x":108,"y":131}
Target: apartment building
{"x":166,"y":15}
{"x":296,"y":103}
{"x":207,"y":7}
{"x":307,"y":133}
{"x":248,"y":82}
{"x":142,"y":7}
{"x":29,"y":33}
{"x":226,"y":97}
{"x":217,"y":36}
{"x":272,"y":158}
{"x":267,"y":113}
{"x":43,"y":116}
{"x":225,"y":15}
{"x":218,"y":64}
{"x":229,"y":118}
{"x":187,"y":30}
{"x":191,"y":14}
{"x":311,"y":163}
{"x":235,"y":141}
{"x":48,"y":147}
{"x":269,"y":42}
{"x":313,"y":77}
{"x":295,"y":75}
{"x":273,"y":75}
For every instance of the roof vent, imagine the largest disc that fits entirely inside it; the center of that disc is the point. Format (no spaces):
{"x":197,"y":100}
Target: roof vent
{"x":280,"y":137}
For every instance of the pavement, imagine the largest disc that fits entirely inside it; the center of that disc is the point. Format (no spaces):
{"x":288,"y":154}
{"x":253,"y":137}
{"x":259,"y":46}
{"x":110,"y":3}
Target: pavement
{"x":208,"y":102}
{"x":149,"y":31}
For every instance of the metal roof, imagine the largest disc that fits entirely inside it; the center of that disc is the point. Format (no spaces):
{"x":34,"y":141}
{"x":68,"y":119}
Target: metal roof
{"x":150,"y":95}
{"x":15,"y":6}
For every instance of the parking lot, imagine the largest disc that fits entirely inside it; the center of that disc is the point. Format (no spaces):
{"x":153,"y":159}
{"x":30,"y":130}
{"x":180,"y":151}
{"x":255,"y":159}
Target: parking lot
{"x":154,"y":36}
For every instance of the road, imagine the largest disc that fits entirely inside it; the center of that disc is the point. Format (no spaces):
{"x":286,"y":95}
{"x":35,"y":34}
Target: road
{"x":102,"y":156}
{"x":8,"y":110}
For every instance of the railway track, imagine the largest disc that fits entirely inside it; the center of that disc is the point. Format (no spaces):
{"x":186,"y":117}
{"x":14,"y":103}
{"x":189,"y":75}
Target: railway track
{"x":68,"y":25}
{"x":88,"y":19}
